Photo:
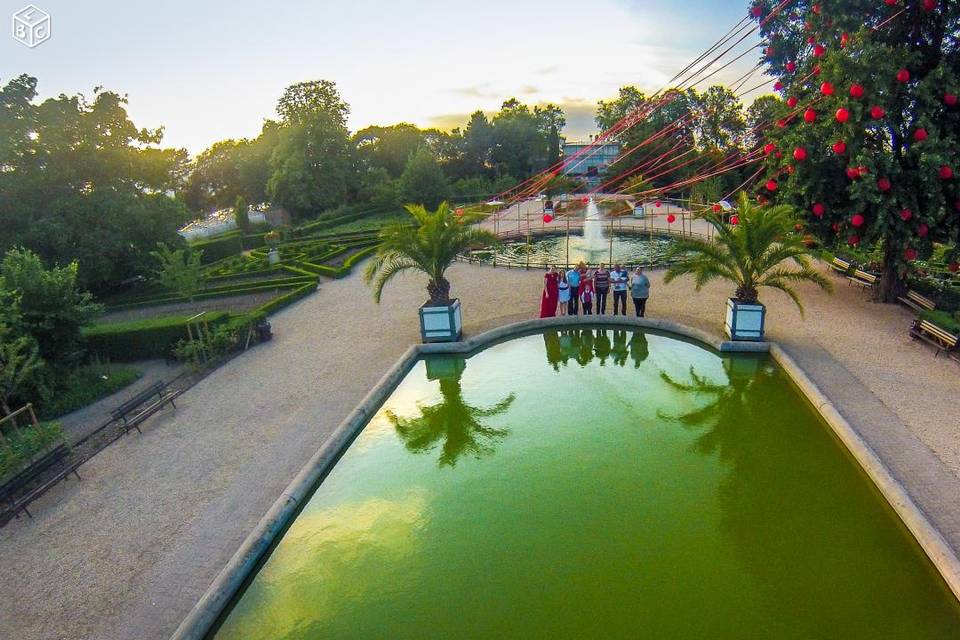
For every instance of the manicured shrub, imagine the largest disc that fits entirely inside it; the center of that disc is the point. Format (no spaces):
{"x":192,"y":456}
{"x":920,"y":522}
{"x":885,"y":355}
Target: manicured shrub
{"x":25,"y":443}
{"x":84,"y":386}
{"x":142,"y":339}
{"x":228,"y":244}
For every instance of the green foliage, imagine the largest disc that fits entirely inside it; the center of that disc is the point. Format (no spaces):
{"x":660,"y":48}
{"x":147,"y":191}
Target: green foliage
{"x":241,"y":214}
{"x":24,"y":444}
{"x":228,"y":244}
{"x":19,"y":363}
{"x":84,"y":386}
{"x":304,"y":101}
{"x":423,"y":180}
{"x":943,"y":319}
{"x":751,"y":254}
{"x":429,"y":245}
{"x":142,"y":339}
{"x":180,"y":270}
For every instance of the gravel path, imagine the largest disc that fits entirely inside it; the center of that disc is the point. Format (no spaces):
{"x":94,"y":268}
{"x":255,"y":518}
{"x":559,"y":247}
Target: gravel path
{"x":127,"y":552}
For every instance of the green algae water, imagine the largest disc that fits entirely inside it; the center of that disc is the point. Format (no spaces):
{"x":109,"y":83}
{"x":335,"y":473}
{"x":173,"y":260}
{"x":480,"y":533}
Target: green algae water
{"x":596,"y":484}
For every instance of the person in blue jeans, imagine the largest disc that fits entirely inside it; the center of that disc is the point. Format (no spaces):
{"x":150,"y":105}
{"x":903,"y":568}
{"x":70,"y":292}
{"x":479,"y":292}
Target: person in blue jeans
{"x":573,"y":279}
{"x":640,"y":291}
{"x":619,"y":277}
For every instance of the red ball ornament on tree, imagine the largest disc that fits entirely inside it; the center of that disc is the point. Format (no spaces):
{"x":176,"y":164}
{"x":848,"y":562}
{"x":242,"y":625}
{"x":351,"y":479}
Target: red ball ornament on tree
{"x":839,"y":147}
{"x":777,"y":86}
{"x":920,"y":134}
{"x":547,"y":218}
{"x":819,"y":209}
{"x":954,"y":267}
{"x":791,"y":66}
{"x":756,"y":11}
{"x":877,"y":112}
{"x":854,"y":240}
{"x":809,"y":116}
{"x":923,"y":230}
{"x":836,"y":227}
{"x":889,"y":3}
{"x":906,"y":214}
{"x":734,"y":220}
{"x":716,"y":208}
{"x":657,"y":204}
{"x":929,"y":5}
{"x":816,"y":70}
{"x":950,"y":99}
{"x":946,"y":172}
{"x":856,"y":91}
{"x":791,"y":102}
{"x":853,"y":173}
{"x":799,"y":154}
{"x":671,"y":219}
{"x":818,"y":51}
{"x":770,"y":51}
{"x":883,"y":184}
{"x":816,"y":9}
{"x":857,"y":220}
{"x":903,"y":75}
{"x":910,"y":254}
{"x":769,"y":148}
{"x":862,"y":171}
{"x":844,"y":39}
{"x":771,"y":185}
{"x":843,"y":114}
{"x":826,"y":88}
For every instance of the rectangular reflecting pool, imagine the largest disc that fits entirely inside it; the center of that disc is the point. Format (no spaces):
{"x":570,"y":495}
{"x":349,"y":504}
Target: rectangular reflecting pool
{"x":596,"y":483}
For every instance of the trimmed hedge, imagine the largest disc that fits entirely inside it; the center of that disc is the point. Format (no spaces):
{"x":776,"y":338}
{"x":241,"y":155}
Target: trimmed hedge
{"x":229,"y":244}
{"x":142,"y":339}
{"x":237,"y":289}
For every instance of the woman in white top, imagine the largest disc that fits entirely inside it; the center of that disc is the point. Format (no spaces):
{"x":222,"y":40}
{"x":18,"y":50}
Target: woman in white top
{"x":564,"y":289}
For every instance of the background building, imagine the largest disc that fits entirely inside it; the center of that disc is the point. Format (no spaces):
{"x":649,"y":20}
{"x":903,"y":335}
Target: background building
{"x":590,"y":164}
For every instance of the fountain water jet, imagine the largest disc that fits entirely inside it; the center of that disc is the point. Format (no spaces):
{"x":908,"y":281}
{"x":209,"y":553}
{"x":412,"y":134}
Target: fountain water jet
{"x":593,"y":228}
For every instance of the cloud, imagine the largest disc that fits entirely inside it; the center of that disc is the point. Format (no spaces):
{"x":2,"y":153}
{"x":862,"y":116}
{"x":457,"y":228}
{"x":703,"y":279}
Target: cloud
{"x":480,"y":91}
{"x":545,"y":71}
{"x":579,"y":113}
{"x":528,"y":89}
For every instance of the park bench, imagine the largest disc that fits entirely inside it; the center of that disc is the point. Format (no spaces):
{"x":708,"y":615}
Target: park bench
{"x":935,"y":336}
{"x":138,"y":408}
{"x":917,"y":302}
{"x":10,"y":489}
{"x":20,"y":505}
{"x":863,"y":279}
{"x":840,"y":265}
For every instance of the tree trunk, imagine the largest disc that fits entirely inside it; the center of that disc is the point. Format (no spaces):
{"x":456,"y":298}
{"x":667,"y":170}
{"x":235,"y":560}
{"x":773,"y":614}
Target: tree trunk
{"x":439,"y":290}
{"x":892,"y":284}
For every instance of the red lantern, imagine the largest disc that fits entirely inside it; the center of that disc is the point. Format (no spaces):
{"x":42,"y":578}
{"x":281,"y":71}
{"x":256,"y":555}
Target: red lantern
{"x":906,"y":214}
{"x":856,"y":91}
{"x":818,"y":51}
{"x":857,"y":220}
{"x":819,"y":209}
{"x":854,"y":240}
{"x":843,"y":114}
{"x":799,"y":154}
{"x":716,"y":208}
{"x":791,"y":66}
{"x":826,"y":89}
{"x":949,"y":99}
{"x":946,"y":172}
{"x":839,"y":147}
{"x":877,"y":112}
{"x":910,"y":254}
{"x":547,"y":218}
{"x":777,"y":86}
{"x":954,"y":267}
{"x":657,"y":204}
{"x":929,"y":5}
{"x":923,"y":230}
{"x":809,"y":116}
{"x":769,"y":148}
{"x":734,"y":220}
{"x":771,"y":185}
{"x":791,"y":102}
{"x":883,"y":184}
{"x":903,"y":75}
{"x":671,"y":219}
{"x":920,"y":134}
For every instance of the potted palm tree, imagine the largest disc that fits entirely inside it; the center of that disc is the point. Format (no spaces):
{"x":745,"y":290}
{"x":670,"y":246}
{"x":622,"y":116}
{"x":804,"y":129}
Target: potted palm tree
{"x":429,"y":245}
{"x":756,"y":249}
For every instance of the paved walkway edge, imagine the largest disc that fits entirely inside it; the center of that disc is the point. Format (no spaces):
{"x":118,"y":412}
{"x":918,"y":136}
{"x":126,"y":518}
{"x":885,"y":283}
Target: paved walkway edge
{"x":932,"y":542}
{"x":228,"y":582}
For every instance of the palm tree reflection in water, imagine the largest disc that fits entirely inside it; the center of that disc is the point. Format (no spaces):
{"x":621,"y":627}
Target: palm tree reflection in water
{"x":585,"y":345}
{"x":453,"y":424}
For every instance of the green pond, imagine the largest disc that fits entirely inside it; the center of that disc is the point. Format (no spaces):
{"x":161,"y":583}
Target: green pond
{"x":596,"y":484}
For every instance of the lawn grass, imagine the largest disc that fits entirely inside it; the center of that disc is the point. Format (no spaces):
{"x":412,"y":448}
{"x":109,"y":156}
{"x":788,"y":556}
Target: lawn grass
{"x":86,"y":385}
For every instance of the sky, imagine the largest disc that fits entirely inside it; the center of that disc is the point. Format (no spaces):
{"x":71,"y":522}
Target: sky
{"x":212,"y":70}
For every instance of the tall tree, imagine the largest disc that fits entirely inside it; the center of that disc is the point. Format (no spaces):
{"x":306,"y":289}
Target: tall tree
{"x":423,"y":181}
{"x":301,"y":102}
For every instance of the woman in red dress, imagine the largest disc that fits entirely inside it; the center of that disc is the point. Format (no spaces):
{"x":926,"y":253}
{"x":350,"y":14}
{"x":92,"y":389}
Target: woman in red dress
{"x":548,"y":299}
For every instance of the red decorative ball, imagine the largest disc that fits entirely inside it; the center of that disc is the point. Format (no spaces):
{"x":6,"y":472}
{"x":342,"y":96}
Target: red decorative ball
{"x":856,"y":91}
{"x":816,"y":9}
{"x":839,"y":147}
{"x":769,"y":148}
{"x":777,"y":86}
{"x":657,"y":203}
{"x":771,"y":185}
{"x":782,"y":122}
{"x":547,"y":218}
{"x":853,"y":173}
{"x":811,"y":40}
{"x":826,"y":89}
{"x":946,"y":172}
{"x":836,"y":227}
{"x":857,"y":220}
{"x":929,"y":5}
{"x":954,"y":267}
{"x":816,"y":69}
{"x":734,"y":220}
{"x":791,"y":102}
{"x":790,"y":169}
{"x":883,"y":184}
{"x":910,"y":254}
{"x":791,"y":66}
{"x":862,"y":171}
{"x":903,"y":75}
{"x":877,"y":112}
{"x":756,"y":11}
{"x":844,"y":39}
{"x":819,"y":210}
{"x":716,"y":208}
{"x":778,"y":155}
{"x":809,"y":116}
{"x":906,"y":214}
{"x":920,"y":134}
{"x":890,"y":3}
{"x":799,"y":154}
{"x":950,"y":99}
{"x":671,"y":219}
{"x":818,"y":50}
{"x":854,"y":240}
{"x":843,"y":114}
{"x":770,"y":51}
{"x":923,"y":230}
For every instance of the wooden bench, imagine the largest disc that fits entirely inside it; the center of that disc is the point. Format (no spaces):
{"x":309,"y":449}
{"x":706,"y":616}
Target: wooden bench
{"x":863,"y":278}
{"x":840,"y":265}
{"x":10,"y":489}
{"x":942,"y":340}
{"x":20,"y":505}
{"x":917,"y":302}
{"x":138,"y":408}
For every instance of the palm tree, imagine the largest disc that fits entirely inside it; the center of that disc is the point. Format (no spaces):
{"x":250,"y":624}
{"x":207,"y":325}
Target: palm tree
{"x":753,"y":252}
{"x":430,"y":245}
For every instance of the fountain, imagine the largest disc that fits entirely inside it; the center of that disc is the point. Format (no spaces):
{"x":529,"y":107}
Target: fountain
{"x":593,"y":228}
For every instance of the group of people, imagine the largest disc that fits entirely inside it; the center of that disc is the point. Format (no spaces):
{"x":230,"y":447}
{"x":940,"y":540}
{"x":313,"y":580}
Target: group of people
{"x":581,"y":290}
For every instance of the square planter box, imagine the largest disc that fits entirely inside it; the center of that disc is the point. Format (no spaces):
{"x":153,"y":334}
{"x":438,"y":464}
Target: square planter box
{"x":745,"y":320}
{"x":441,"y":323}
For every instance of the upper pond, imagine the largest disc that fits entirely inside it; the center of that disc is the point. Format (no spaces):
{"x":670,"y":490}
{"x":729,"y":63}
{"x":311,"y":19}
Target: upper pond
{"x":596,"y":484}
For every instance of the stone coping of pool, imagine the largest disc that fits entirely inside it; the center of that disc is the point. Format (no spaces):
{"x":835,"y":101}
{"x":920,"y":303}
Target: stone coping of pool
{"x":231,"y":578}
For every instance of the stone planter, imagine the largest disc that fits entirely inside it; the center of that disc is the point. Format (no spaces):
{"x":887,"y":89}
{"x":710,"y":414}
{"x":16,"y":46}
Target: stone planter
{"x":745,"y":320}
{"x":441,"y":323}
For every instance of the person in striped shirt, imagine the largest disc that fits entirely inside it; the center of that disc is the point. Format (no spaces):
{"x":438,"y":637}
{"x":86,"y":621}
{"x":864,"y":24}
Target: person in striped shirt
{"x":601,"y":284}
